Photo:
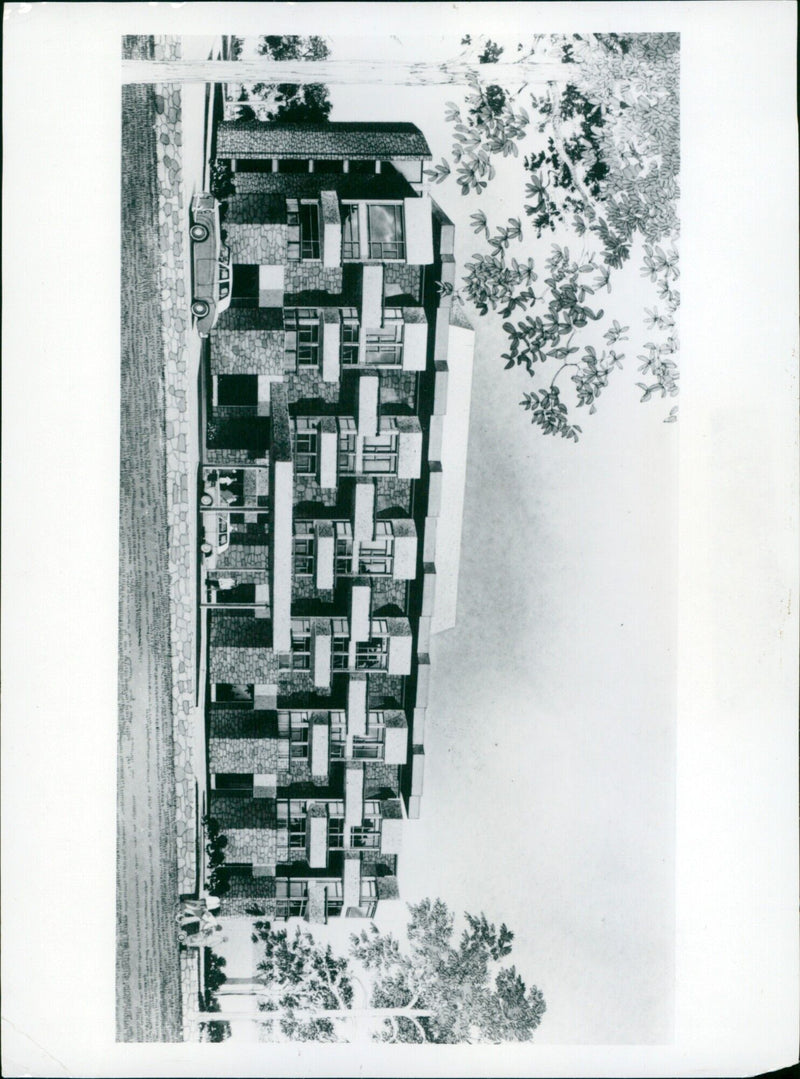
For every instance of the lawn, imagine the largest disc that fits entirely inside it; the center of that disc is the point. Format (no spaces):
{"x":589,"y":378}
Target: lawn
{"x":148,"y":982}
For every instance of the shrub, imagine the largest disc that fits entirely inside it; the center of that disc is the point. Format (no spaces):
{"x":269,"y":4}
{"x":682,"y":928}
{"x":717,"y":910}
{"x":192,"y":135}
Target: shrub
{"x":222,"y":184}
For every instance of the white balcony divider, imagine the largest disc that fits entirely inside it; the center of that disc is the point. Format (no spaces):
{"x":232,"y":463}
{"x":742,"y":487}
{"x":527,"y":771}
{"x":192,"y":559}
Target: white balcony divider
{"x":419,"y":231}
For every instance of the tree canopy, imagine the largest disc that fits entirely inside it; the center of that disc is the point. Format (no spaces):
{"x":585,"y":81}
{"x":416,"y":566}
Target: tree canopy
{"x":600,"y":157}
{"x":428,"y":988}
{"x":303,"y":982}
{"x":288,"y":102}
{"x":467,"y":995}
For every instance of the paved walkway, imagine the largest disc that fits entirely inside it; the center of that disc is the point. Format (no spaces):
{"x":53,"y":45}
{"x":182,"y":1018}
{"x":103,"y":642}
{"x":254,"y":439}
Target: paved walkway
{"x":180,"y":463}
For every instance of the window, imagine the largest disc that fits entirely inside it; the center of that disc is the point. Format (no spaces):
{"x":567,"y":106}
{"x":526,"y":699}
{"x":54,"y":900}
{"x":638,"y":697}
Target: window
{"x":237,"y":391}
{"x":370,"y":745}
{"x":302,"y":335}
{"x":369,"y":896}
{"x":334,"y":899}
{"x":367,"y":835}
{"x":305,"y":447}
{"x":303,"y":548}
{"x":302,"y":219}
{"x":340,"y":655}
{"x":335,"y":832}
{"x":293,"y":166}
{"x":293,"y":733}
{"x":291,"y":814}
{"x":385,"y":346}
{"x":328,"y":165}
{"x":299,"y":658}
{"x":338,"y":735}
{"x":291,"y":898}
{"x":254,"y":164}
{"x":346,"y":462}
{"x":351,"y":243}
{"x":245,"y":285}
{"x":234,"y":782}
{"x":233,"y":694}
{"x":380,"y":453}
{"x":362,"y":168}
{"x":340,"y":630}
{"x":386,"y":235}
{"x":372,"y":654}
{"x":348,"y":351}
{"x":343,"y":552}
{"x":377,"y":556}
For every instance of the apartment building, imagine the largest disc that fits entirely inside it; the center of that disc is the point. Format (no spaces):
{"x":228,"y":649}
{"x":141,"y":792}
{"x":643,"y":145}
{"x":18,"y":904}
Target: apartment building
{"x":320,"y":490}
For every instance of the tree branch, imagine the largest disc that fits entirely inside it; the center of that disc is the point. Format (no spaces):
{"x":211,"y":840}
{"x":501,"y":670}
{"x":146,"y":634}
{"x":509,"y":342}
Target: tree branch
{"x":340,"y":72}
{"x":558,"y":372}
{"x":558,"y":140}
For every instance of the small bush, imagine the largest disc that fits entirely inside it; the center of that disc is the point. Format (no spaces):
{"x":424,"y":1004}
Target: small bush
{"x":222,"y":183}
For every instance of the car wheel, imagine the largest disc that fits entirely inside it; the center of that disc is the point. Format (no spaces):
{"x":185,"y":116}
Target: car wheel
{"x":198,"y":232}
{"x":200,"y":308}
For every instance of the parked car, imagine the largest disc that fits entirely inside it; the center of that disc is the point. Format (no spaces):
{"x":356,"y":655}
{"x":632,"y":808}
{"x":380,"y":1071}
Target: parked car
{"x":211,"y":264}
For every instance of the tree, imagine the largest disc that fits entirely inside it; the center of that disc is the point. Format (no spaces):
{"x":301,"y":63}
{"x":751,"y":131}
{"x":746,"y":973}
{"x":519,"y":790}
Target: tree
{"x":427,"y":991}
{"x":601,"y":166}
{"x":292,"y":102}
{"x":303,"y":982}
{"x":461,"y":993}
{"x":215,"y":977}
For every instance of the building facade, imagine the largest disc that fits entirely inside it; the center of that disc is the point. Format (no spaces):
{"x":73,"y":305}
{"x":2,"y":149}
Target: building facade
{"x":325,"y":390}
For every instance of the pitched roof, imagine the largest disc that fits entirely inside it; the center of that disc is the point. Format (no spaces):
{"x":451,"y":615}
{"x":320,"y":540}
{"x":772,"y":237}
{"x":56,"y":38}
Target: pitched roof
{"x":261,"y":138}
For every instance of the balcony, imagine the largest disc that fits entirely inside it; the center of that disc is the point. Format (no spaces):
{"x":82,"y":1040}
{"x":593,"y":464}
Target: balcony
{"x":388,"y":231}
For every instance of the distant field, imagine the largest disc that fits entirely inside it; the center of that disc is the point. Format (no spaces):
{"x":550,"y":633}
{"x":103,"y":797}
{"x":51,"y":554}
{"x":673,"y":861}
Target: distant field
{"x":148,"y":982}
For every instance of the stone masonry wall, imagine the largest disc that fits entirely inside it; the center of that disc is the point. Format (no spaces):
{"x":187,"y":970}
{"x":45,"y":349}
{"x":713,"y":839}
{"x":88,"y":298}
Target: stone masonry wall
{"x":384,"y":686}
{"x":398,"y":387}
{"x":242,"y":665}
{"x":308,"y":386}
{"x":385,"y":590}
{"x":306,"y":588}
{"x":306,"y":489}
{"x":250,"y":825}
{"x":406,"y":279}
{"x":261,"y":245}
{"x":240,"y":649}
{"x":242,"y":576}
{"x":247,"y":352}
{"x":378,"y":777}
{"x":251,"y":556}
{"x":247,"y":892}
{"x":233,"y":457}
{"x":389,"y":492}
{"x":312,"y":276}
{"x":242,"y":741}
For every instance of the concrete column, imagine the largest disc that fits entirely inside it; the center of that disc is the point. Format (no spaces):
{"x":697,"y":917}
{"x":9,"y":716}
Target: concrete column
{"x":327,"y":448}
{"x":353,"y":796}
{"x":282,"y":484}
{"x":363,"y":510}
{"x":331,"y":343}
{"x":357,"y":705}
{"x":324,"y":540}
{"x":360,"y":601}
{"x":367,"y":419}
